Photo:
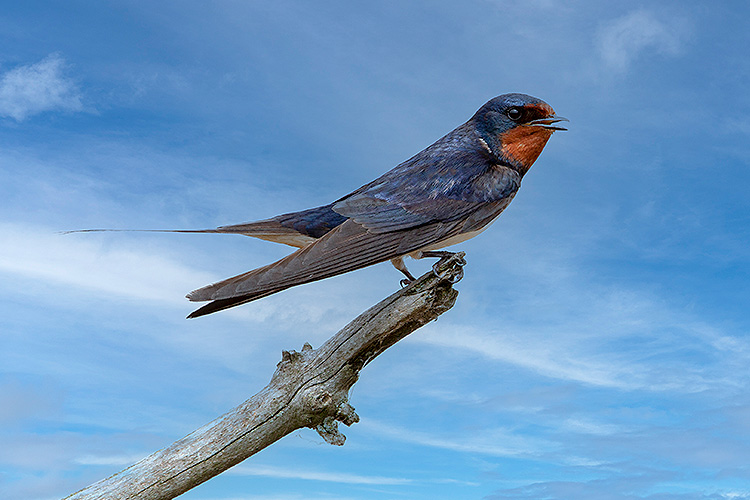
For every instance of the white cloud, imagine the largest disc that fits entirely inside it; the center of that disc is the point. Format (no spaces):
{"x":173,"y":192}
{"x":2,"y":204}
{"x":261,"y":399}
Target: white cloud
{"x":624,"y":39}
{"x":36,"y":88}
{"x":68,"y":260}
{"x":87,"y":263}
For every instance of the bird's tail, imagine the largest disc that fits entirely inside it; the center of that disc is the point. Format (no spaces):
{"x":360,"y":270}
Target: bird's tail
{"x":269,"y":229}
{"x":297,"y":229}
{"x":143,"y":231}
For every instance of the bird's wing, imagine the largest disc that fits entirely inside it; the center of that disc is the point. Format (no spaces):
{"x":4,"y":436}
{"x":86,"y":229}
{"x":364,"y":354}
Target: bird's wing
{"x":348,"y":247}
{"x":444,"y":182}
{"x":381,"y":208}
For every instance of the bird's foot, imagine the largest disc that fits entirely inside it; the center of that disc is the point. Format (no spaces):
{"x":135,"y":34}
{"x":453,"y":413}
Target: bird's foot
{"x":452,"y":275}
{"x":398,"y":263}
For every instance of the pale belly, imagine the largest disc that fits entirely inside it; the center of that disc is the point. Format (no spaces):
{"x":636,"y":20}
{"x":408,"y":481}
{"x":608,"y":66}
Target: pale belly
{"x":453,"y":240}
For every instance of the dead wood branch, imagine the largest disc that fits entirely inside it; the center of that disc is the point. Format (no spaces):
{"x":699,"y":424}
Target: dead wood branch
{"x":309,"y":389}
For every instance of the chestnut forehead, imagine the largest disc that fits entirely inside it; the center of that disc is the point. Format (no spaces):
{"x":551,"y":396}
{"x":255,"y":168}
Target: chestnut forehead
{"x":540,"y":109}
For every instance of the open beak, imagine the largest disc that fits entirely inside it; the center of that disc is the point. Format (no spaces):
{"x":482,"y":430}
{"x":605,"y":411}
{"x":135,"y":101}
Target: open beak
{"x":549,"y":122}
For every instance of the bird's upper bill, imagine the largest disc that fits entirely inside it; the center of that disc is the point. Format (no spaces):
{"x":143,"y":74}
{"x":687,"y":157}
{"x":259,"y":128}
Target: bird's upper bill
{"x":549,"y":122}
{"x":545,"y":116}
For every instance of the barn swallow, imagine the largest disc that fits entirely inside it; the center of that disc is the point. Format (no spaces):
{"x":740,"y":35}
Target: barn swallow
{"x":449,"y":192}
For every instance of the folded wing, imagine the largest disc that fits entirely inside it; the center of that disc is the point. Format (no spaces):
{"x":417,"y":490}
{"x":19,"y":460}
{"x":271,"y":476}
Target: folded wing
{"x":348,"y":247}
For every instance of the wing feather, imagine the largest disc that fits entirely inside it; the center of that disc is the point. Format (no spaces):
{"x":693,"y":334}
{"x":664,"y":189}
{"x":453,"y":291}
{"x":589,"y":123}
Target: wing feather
{"x":346,"y":248}
{"x":445,"y":182}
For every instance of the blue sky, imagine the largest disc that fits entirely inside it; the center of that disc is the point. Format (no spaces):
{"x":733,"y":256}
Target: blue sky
{"x":599,"y":348}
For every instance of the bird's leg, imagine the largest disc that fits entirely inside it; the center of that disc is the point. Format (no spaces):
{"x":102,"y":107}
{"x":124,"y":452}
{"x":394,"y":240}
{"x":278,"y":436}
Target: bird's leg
{"x":444,"y":256}
{"x":398,"y":263}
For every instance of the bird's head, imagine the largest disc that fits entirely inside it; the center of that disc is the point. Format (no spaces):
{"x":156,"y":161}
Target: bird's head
{"x":516,"y":127}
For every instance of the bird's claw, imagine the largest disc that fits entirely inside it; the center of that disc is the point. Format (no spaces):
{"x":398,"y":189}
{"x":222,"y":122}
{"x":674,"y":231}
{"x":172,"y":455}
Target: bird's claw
{"x":405,"y":282}
{"x":452,"y":274}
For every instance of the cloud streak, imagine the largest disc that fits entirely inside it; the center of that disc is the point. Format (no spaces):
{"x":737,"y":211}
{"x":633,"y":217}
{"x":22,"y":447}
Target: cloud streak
{"x":584,"y":358}
{"x":35,"y":88}
{"x":557,"y":361}
{"x":335,"y":477}
{"x":494,"y":442}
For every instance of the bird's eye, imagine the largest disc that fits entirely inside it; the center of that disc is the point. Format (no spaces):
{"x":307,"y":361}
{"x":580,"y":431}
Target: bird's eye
{"x":515,"y":114}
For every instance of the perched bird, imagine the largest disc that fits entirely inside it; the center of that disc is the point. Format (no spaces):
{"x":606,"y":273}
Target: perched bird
{"x":447,"y":193}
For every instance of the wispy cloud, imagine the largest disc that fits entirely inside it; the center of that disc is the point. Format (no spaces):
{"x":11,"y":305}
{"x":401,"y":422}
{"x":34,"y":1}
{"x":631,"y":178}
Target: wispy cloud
{"x":334,"y":477}
{"x":82,"y":263}
{"x":281,"y":496}
{"x":42,"y":254}
{"x":578,"y":354}
{"x":35,"y":88}
{"x":553,"y":360}
{"x":587,"y":425}
{"x":495,"y":442}
{"x":620,"y":487}
{"x":624,"y":39}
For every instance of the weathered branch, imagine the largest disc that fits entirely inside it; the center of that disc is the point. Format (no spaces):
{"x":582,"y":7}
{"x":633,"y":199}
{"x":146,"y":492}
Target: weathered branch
{"x":309,"y":389}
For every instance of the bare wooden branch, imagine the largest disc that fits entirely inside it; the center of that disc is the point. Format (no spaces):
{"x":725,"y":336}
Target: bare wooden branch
{"x":308,"y":389}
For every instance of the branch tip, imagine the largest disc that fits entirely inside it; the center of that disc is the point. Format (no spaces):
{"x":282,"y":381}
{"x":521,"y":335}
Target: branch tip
{"x":346,"y":414}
